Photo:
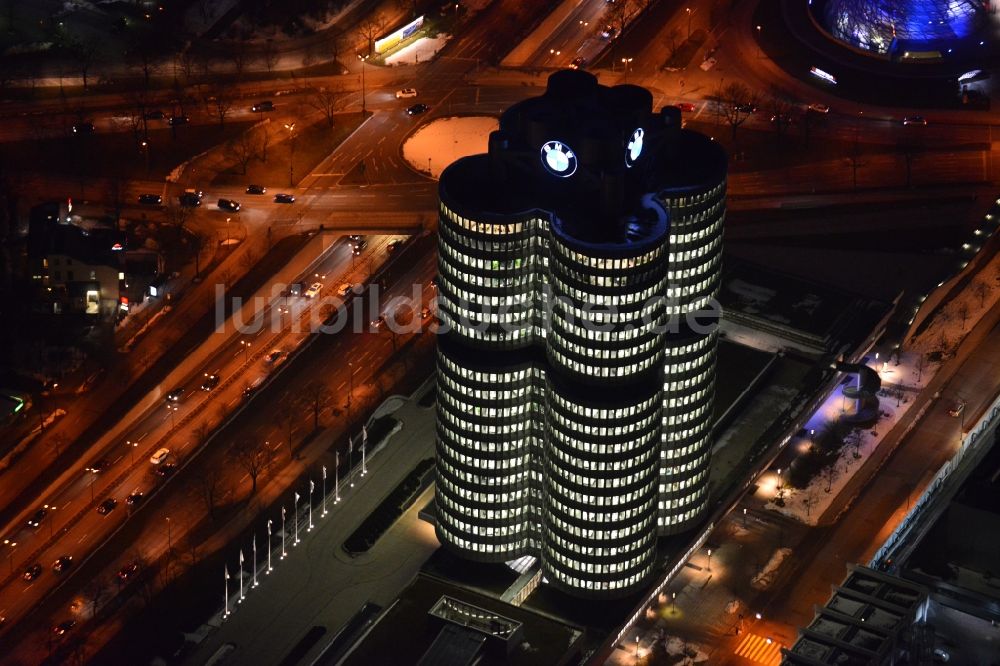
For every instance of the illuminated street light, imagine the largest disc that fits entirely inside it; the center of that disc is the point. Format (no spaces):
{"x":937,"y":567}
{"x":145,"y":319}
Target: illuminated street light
{"x":626,"y":62}
{"x":336,"y":478}
{"x":324,"y":490}
{"x":296,"y":516}
{"x":312,"y":486}
{"x":269,"y":545}
{"x":246,"y":349}
{"x":131,"y":447}
{"x":688,"y":11}
{"x":291,"y":154}
{"x":363,"y":59}
{"x":760,"y":53}
{"x":709,"y":559}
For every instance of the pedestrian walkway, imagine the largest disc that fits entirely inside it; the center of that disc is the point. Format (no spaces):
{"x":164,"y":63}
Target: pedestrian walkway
{"x":759,"y":650}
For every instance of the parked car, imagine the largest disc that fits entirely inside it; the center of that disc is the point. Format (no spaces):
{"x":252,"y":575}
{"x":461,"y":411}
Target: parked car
{"x":165,"y":470}
{"x":32,"y":572}
{"x":609,"y":32}
{"x":393,"y":245}
{"x":256,"y":189}
{"x":63,"y":563}
{"x":818,"y":108}
{"x":266,"y":105}
{"x":107,"y":506}
{"x":914,"y":120}
{"x":274,"y":356}
{"x":150,"y":199}
{"x":229,"y":204}
{"x":956,"y":409}
{"x":210,"y":382}
{"x":406,"y":93}
{"x":37,"y":517}
{"x":160,"y":456}
{"x":314,"y":290}
{"x":344,"y":289}
{"x":178,"y":120}
{"x":417,"y":109}
{"x":83,"y":128}
{"x":284,"y":198}
{"x":136,"y":497}
{"x":128,"y":571}
{"x":191,"y":198}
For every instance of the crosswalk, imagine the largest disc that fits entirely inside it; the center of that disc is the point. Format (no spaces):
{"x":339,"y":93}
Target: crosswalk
{"x":760,"y":650}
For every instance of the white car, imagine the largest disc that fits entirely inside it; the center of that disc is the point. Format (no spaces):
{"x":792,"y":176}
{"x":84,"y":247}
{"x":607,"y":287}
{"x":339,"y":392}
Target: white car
{"x":313,"y":290}
{"x":160,"y":456}
{"x":406,"y":93}
{"x":344,"y":289}
{"x":818,"y":108}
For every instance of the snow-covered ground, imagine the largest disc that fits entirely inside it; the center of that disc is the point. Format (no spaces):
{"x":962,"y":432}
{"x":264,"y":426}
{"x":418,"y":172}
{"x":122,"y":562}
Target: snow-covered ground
{"x":445,"y":140}
{"x":422,"y":50}
{"x":763,"y":579}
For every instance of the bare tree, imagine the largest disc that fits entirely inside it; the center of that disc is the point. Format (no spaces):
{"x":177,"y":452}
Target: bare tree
{"x":178,"y":215}
{"x":981,"y":289}
{"x":619,"y":14}
{"x":318,"y":395}
{"x":269,"y":55}
{"x":208,"y":485}
{"x":370,"y":28}
{"x":186,"y":62}
{"x":286,"y":419}
{"x":326,"y":101}
{"x":829,"y":473}
{"x":674,"y":42}
{"x":265,"y":140}
{"x":781,"y":107}
{"x":142,"y":58}
{"x":220,"y":102}
{"x":737,"y":103}
{"x":963,"y":313}
{"x":84,"y":54}
{"x":253,"y":457}
{"x":921,"y":363}
{"x":243,"y":148}
{"x":856,"y":162}
{"x":95,"y":590}
{"x":238,"y":55}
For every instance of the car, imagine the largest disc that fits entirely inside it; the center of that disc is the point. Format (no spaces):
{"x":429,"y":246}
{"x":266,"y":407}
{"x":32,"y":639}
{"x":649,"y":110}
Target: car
{"x":406,"y":93}
{"x":150,"y":199}
{"x":394,"y":245}
{"x":914,"y":120}
{"x":61,"y":628}
{"x":359,"y":247}
{"x":708,"y":63}
{"x":274,"y":356}
{"x":37,"y":517}
{"x":63,"y":563}
{"x":175,"y":395}
{"x":355,"y":238}
{"x":32,"y":572}
{"x":160,"y":456}
{"x":128,"y":571}
{"x":956,"y":409}
{"x":686,"y":107}
{"x":344,"y":289}
{"x":284,"y":198}
{"x":250,"y":389}
{"x":154,"y":115}
{"x":818,"y":108}
{"x":609,"y":32}
{"x":417,"y":109}
{"x":746,"y":108}
{"x":785,"y":119}
{"x":256,"y":189}
{"x":425,"y":313}
{"x":98,"y":465}
{"x":578,"y":62}
{"x":210,"y":382}
{"x":434,"y":282}
{"x":166,"y":470}
{"x":188,"y":199}
{"x":107,"y":506}
{"x":313,"y":289}
{"x":229,"y":204}
{"x":173,"y":121}
{"x":136,"y":497}
{"x":266,"y":105}
{"x":83,"y":128}
{"x":378,"y":323}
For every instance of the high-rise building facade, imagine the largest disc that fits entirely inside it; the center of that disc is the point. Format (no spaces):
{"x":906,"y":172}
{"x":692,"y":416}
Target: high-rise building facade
{"x":574,"y":387}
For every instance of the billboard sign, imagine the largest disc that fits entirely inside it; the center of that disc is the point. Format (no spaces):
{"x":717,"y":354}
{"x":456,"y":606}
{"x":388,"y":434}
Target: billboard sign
{"x":392,"y":40}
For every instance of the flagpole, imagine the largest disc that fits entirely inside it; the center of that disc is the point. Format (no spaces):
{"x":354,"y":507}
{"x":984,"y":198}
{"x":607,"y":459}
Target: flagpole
{"x":241,"y":576}
{"x":336,"y":478}
{"x":226,"y":569}
{"x":254,"y":560}
{"x":350,"y":460}
{"x":324,"y":490}
{"x":296,"y":542}
{"x":311,"y":486}
{"x":283,"y":553}
{"x":364,"y":445}
{"x":268,"y":545}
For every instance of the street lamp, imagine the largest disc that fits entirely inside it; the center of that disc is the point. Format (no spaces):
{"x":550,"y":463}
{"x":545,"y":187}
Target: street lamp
{"x":688,"y":10}
{"x":363,"y":59}
{"x":246,"y":349}
{"x":350,"y":379}
{"x":291,"y":155}
{"x":760,"y":53}
{"x":131,"y":447}
{"x":636,"y":649}
{"x":626,"y":62}
{"x":170,"y":543}
{"x":709,"y":559}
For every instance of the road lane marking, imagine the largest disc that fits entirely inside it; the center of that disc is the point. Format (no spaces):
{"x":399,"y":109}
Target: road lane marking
{"x":759,"y":649}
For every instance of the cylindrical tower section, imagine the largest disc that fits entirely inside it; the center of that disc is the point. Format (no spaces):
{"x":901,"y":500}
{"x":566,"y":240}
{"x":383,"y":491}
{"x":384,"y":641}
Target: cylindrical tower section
{"x":697,"y":204}
{"x":601,"y":468}
{"x":484,"y":442}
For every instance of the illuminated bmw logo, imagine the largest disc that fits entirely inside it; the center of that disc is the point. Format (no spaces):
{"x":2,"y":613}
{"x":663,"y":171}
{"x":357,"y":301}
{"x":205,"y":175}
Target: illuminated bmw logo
{"x":558,"y":158}
{"x":634,"y":148}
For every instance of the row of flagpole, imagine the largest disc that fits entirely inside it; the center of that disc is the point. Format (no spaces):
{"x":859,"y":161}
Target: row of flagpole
{"x":312,"y":487}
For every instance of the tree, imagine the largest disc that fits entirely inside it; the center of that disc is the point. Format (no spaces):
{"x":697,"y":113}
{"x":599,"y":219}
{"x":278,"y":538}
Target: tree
{"x":84,"y":54}
{"x":207,"y":484}
{"x":829,"y":473}
{"x":94,"y":590}
{"x":673,"y":42}
{"x":269,"y":55}
{"x":781,"y":107}
{"x":982,"y":290}
{"x":253,"y":457}
{"x":326,"y":101}
{"x":856,"y":162}
{"x":243,"y":148}
{"x":737,"y":103}
{"x":178,"y":215}
{"x":318,"y":395}
{"x":370,"y":28}
{"x":920,"y":364}
{"x":220,"y":102}
{"x":618,"y":15}
{"x":238,"y":54}
{"x":963,"y":313}
{"x":142,"y":58}
{"x":265,"y":140}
